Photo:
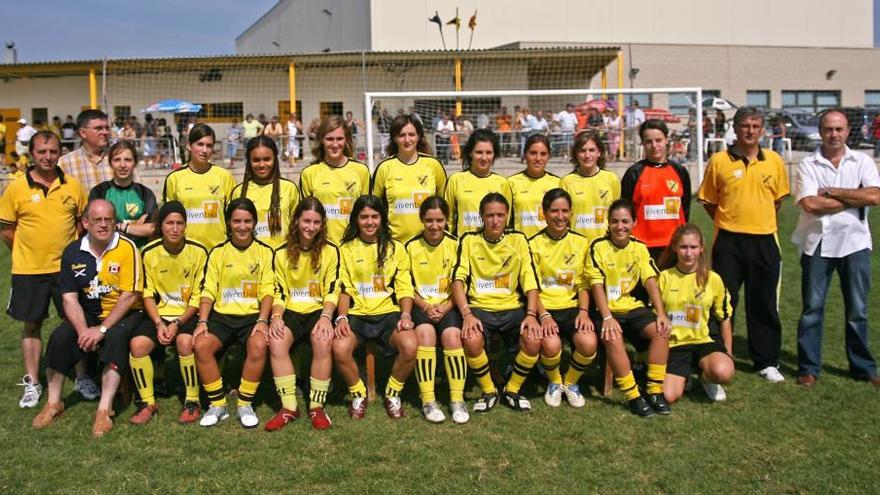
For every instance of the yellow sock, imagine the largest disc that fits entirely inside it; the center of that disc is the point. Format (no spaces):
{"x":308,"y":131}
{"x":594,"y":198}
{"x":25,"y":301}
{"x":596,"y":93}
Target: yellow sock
{"x":318,"y":392}
{"x":215,"y":393}
{"x":393,"y":388}
{"x":142,"y":371}
{"x":358,"y":389}
{"x":628,"y":386}
{"x":456,"y":373}
{"x":190,"y":377}
{"x":522,"y":365}
{"x":286,"y":388}
{"x":480,"y":366}
{"x":551,"y":367}
{"x":246,"y":392}
{"x":577,"y":367}
{"x":426,"y":367}
{"x":656,"y":375}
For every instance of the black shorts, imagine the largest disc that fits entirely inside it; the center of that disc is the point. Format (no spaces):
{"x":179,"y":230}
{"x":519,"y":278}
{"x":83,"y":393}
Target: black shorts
{"x":632,"y":323}
{"x":450,"y":320}
{"x":376,"y":328}
{"x":564,"y":319}
{"x":3,"y":145}
{"x":63,"y":351}
{"x":147,"y":328}
{"x":506,"y":324}
{"x":29,"y":297}
{"x":684,"y":358}
{"x":229,"y":327}
{"x":300,"y":324}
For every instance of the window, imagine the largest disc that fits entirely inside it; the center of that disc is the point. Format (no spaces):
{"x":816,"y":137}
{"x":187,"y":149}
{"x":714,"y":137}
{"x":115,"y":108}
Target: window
{"x":228,"y":112}
{"x":758,"y":98}
{"x":328,"y":108}
{"x":121,"y":112}
{"x":810,"y":101}
{"x":644,"y":99}
{"x":39,"y":116}
{"x":872,"y":98}
{"x":680,"y":103}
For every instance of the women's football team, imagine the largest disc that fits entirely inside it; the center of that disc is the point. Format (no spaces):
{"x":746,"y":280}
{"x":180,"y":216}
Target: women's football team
{"x":342,"y":260}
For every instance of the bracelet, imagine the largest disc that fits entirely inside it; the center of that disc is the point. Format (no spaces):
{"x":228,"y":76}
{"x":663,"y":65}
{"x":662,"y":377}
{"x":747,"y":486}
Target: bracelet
{"x":202,"y":321}
{"x":532,"y":313}
{"x":125,"y":227}
{"x":406,"y":315}
{"x":326,"y":315}
{"x":261,"y":320}
{"x":178,"y":322}
{"x":341,"y":318}
{"x":158,"y":322}
{"x":469,"y":313}
{"x":584,"y":309}
{"x":606,"y":318}
{"x":544,"y":316}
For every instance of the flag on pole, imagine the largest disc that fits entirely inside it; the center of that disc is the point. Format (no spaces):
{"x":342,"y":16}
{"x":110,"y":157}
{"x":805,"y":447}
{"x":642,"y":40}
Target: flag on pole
{"x":473,"y":22}
{"x":436,"y":20}
{"x":455,"y":21}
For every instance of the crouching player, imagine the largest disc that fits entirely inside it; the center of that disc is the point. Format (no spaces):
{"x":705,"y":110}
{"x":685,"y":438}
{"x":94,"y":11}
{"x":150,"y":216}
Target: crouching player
{"x":306,"y":271}
{"x":173,"y":266}
{"x":563,"y":307}
{"x":692,"y":293}
{"x":493,"y":271}
{"x":616,"y":265}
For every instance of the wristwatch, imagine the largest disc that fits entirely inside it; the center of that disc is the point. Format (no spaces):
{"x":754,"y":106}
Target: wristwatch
{"x":826,"y":193}
{"x":102,"y":329}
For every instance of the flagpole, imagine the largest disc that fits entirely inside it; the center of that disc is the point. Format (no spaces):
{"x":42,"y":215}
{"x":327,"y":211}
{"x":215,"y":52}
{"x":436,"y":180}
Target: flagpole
{"x":472,"y":24}
{"x":457,"y":28}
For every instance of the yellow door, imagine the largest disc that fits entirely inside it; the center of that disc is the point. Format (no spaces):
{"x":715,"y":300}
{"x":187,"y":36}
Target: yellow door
{"x":10,"y":117}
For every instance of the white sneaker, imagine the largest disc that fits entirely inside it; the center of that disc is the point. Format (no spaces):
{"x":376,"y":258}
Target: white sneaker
{"x":87,"y":388}
{"x":574,"y":396}
{"x":432,"y":412}
{"x":247,"y":417}
{"x":32,"y":392}
{"x":714,"y":392}
{"x":460,"y":414}
{"x":553,"y":395}
{"x":213,"y":416}
{"x":772,"y":374}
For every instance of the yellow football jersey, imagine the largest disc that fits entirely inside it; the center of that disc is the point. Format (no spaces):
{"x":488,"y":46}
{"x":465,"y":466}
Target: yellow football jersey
{"x":526,"y":214}
{"x":621,"y":270}
{"x":496,"y":275}
{"x":172,"y":280}
{"x":590,"y":198}
{"x":336,"y":188}
{"x":374,"y":291}
{"x":432,"y":267}
{"x":561,"y":267}
{"x":464,"y":191}
{"x":205,"y":196}
{"x":261,"y":195}
{"x":689,"y":306}
{"x":238,"y":279}
{"x":302,"y":288}
{"x":403,"y":187}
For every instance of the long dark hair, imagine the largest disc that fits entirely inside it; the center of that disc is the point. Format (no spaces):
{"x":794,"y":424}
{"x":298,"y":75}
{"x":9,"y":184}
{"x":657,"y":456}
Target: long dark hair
{"x":397,"y":125}
{"x":199,"y":131}
{"x":669,"y":258}
{"x":294,"y":240}
{"x":479,"y":136}
{"x":261,"y":140}
{"x":383,"y":239}
{"x":328,"y":125}
{"x":239,"y":204}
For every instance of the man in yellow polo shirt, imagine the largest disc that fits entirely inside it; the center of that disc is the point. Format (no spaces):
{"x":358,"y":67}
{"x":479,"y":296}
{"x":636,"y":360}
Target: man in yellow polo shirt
{"x":38,"y":218}
{"x":742,"y":190}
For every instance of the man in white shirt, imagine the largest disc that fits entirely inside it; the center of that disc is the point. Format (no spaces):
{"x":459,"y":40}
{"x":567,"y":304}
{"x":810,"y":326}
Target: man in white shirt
{"x":23,"y":137}
{"x":836,"y":185}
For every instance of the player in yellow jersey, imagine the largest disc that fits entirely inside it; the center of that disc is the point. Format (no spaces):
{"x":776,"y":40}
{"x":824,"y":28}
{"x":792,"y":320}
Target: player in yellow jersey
{"x":529,"y":186}
{"x":692,"y":294}
{"x":617,"y":264}
{"x":432,"y":256}
{"x":203,"y":188}
{"x":333,"y":177}
{"x":559,"y":255}
{"x":274,"y":196}
{"x":466,"y":189}
{"x":408,"y":177}
{"x":173,"y":266}
{"x":591,"y":186}
{"x":235,"y":301}
{"x":375,"y":303}
{"x":492,"y":275}
{"x":306,"y":273}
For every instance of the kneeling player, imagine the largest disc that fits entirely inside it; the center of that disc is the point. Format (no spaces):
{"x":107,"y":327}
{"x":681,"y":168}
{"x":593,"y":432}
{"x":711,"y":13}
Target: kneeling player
{"x":306,"y":270}
{"x":692,"y":293}
{"x":173,"y":266}
{"x":559,"y":255}
{"x":375,"y":303}
{"x":493,"y":268}
{"x":431,"y":257}
{"x":616,"y":265}
{"x":235,"y":302}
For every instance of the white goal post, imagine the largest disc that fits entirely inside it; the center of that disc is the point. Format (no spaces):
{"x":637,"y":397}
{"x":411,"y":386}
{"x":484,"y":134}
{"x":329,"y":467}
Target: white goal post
{"x":371,"y":97}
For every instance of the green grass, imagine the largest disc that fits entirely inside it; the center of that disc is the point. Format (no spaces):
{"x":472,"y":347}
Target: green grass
{"x":765,"y":438}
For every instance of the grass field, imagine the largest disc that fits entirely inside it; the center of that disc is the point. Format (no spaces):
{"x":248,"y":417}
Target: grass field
{"x":765,"y":438}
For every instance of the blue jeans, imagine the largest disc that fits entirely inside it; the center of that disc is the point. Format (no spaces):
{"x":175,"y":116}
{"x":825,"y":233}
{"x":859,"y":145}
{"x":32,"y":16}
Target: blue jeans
{"x":854,"y":271}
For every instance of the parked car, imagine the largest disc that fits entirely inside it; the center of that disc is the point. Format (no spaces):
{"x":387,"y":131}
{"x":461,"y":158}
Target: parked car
{"x":801,"y":127}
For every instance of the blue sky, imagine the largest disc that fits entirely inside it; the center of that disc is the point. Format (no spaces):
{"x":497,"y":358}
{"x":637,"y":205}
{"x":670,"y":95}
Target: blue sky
{"x":92,"y":29}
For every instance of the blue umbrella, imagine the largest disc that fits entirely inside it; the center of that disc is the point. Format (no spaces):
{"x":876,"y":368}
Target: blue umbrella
{"x":173,"y":105}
